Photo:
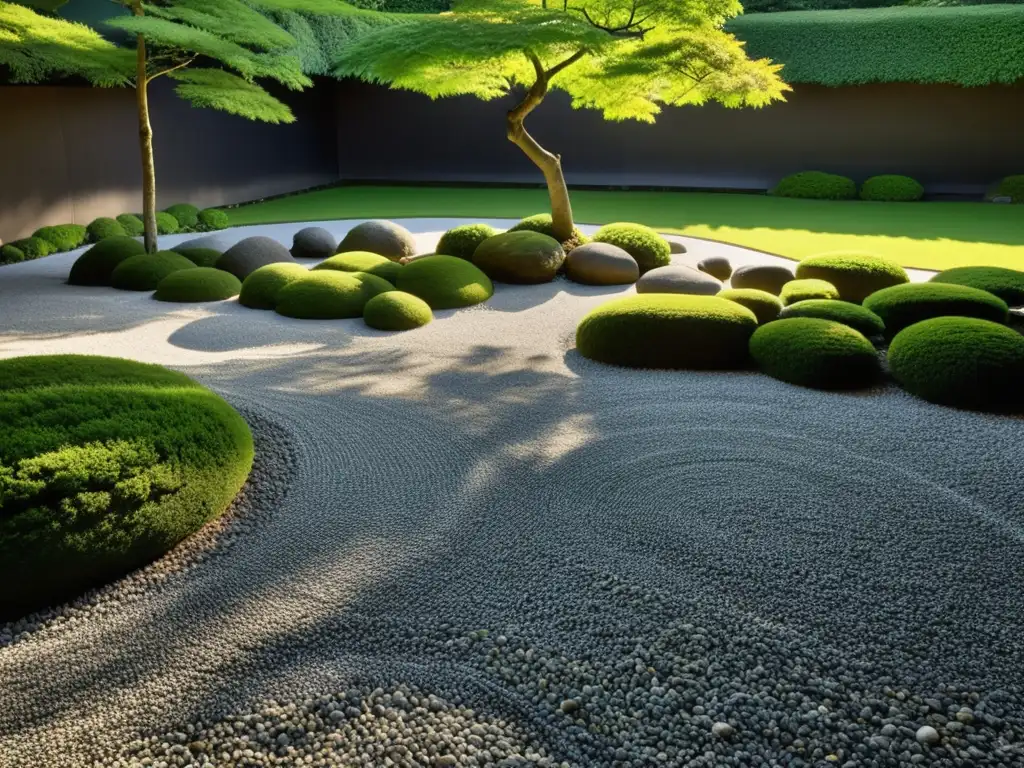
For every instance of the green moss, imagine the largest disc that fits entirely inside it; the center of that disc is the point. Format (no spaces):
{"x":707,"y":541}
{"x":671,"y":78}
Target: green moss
{"x":815,"y":185}
{"x":891,"y":189}
{"x":145,"y":271}
{"x":63,"y":237}
{"x":542,"y":223}
{"x":764,"y":306}
{"x":522,"y":257}
{"x":397,"y":311}
{"x":807,"y":288}
{"x":857,"y":317}
{"x":211,"y":219}
{"x":647,"y":247}
{"x":10,"y":254}
{"x":811,"y":352}
{"x":1011,"y":187}
{"x":201,"y":257}
{"x":132,"y":224}
{"x":445,"y":282}
{"x":105,"y":464}
{"x":662,"y":330}
{"x":95,"y":266}
{"x":33,"y":247}
{"x":904,"y":305}
{"x":102,"y":228}
{"x":186,"y":215}
{"x":462,"y":241}
{"x":329,"y":295}
{"x":200,"y":284}
{"x":261,"y":287}
{"x":962,"y":362}
{"x":166,"y":224}
{"x":363,"y":261}
{"x":855,"y":275}
{"x":1007,"y":284}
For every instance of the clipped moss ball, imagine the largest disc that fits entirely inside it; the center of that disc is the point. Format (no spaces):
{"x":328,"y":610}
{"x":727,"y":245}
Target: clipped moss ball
{"x":396,"y":311}
{"x":668,"y":330}
{"x":10,"y":254}
{"x":816,"y":185}
{"x":761,"y":277}
{"x":201,"y":257}
{"x":904,"y":305}
{"x":64,"y":237}
{"x":815,"y":353}
{"x":1011,"y":187}
{"x":647,"y":247}
{"x":521,"y":257}
{"x":462,"y":241}
{"x":260,"y":288}
{"x":102,"y":228}
{"x":133,"y":226}
{"x":363,"y":261}
{"x":95,"y":266}
{"x":807,"y":288}
{"x":445,"y":282}
{"x":855,"y":275}
{"x":199,"y":284}
{"x":1007,"y":284}
{"x":329,"y":295}
{"x":211,"y":219}
{"x":764,"y":306}
{"x":186,"y":215}
{"x":384,"y":238}
{"x":34,"y":247}
{"x":890,"y":188}
{"x":166,"y":224}
{"x":961,"y":361}
{"x":857,"y":317}
{"x":145,"y":271}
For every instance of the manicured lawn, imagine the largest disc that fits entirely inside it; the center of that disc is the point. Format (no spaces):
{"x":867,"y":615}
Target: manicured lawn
{"x":924,"y":235}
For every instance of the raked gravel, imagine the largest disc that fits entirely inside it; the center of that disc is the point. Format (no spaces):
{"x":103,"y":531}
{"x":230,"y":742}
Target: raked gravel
{"x":470,"y":546}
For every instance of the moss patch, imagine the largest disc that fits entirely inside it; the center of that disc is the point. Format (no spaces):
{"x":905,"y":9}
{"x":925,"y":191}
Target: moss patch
{"x":95,"y":266}
{"x":397,"y":311}
{"x":855,"y":275}
{"x":815,"y":353}
{"x":145,"y":271}
{"x":363,"y":261}
{"x":329,"y":295}
{"x":904,"y":305}
{"x":445,"y":282}
{"x":199,"y":284}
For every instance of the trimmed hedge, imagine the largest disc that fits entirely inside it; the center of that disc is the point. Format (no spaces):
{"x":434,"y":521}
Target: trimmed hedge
{"x":63,"y":237}
{"x":145,"y":271}
{"x":647,"y":247}
{"x":261,"y":287}
{"x":1007,"y":284}
{"x":764,"y":306}
{"x":11,"y":254}
{"x":95,"y":266}
{"x":805,"y":289}
{"x":102,"y":228}
{"x":212,"y":219}
{"x":668,"y":330}
{"x":857,"y":317}
{"x":133,"y":225}
{"x":855,"y":275}
{"x":186,"y":215}
{"x":396,"y":311}
{"x":1011,"y":187}
{"x":105,"y":464}
{"x":542,"y":223}
{"x":363,"y":261}
{"x":200,"y":284}
{"x":33,"y":247}
{"x":810,"y":352}
{"x":201,"y":257}
{"x":166,"y":224}
{"x":462,"y":241}
{"x":891,"y":189}
{"x":960,"y":361}
{"x":816,"y":185}
{"x":904,"y":305}
{"x":329,"y":295}
{"x":445,"y":282}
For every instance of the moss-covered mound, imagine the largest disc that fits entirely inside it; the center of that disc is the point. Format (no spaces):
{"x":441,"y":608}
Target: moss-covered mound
{"x":11,"y":254}
{"x":34,"y":247}
{"x":1011,"y":187}
{"x":445,"y":282}
{"x":815,"y":185}
{"x":95,"y":266}
{"x":211,"y":219}
{"x":961,"y":361}
{"x":1007,"y":284}
{"x":542,"y":223}
{"x":105,"y":464}
{"x":397,"y":311}
{"x":890,"y":188}
{"x":186,"y":215}
{"x":133,"y":226}
{"x":145,"y":271}
{"x":806,"y":289}
{"x":363,"y":261}
{"x":815,"y":353}
{"x":904,"y":305}
{"x":329,"y":295}
{"x":462,"y":241}
{"x":166,"y":224}
{"x":199,"y":284}
{"x":857,"y":317}
{"x":104,"y":227}
{"x":764,"y":306}
{"x":522,"y":257}
{"x":63,"y":237}
{"x":855,"y":275}
{"x":385,"y":238}
{"x":201,"y":257}
{"x":645,"y":245}
{"x":667,"y":330}
{"x":260,"y":289}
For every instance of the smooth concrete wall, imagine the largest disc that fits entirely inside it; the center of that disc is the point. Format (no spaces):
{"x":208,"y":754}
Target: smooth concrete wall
{"x":70,"y":154}
{"x":952,"y":139}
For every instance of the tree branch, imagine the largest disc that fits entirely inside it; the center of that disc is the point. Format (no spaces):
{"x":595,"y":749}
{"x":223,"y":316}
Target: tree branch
{"x":626,"y":30}
{"x":180,"y":65}
{"x":566,"y":63}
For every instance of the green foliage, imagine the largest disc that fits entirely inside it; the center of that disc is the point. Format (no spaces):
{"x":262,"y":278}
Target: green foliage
{"x":542,"y":223}
{"x":904,"y":305}
{"x":211,"y":219}
{"x":33,"y":247}
{"x":63,"y":237}
{"x":462,"y":241}
{"x":666,"y":330}
{"x":891,"y":189}
{"x":647,"y":247}
{"x":764,"y":305}
{"x":962,"y":362}
{"x":217,"y":89}
{"x":815,"y":185}
{"x":95,"y":266}
{"x":200,"y":284}
{"x":806,"y":289}
{"x":11,"y":254}
{"x":1007,"y":284}
{"x":972,"y":46}
{"x":522,"y":257}
{"x":133,"y":226}
{"x":363,"y":261}
{"x":186,"y":215}
{"x":857,"y":317}
{"x":855,"y":275}
{"x":445,"y":282}
{"x":166,"y":224}
{"x":396,"y":311}
{"x":329,"y":295}
{"x":145,"y":271}
{"x":320,"y":37}
{"x":261,"y":287}
{"x":811,"y":352}
{"x":105,"y":464}
{"x":1011,"y":187}
{"x":102,"y":228}
{"x":201,"y":257}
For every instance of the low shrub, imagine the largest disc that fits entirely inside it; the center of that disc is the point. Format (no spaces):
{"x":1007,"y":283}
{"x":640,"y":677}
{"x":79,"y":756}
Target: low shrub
{"x":11,"y":254}
{"x":668,"y":330}
{"x":201,"y":257}
{"x":261,"y":287}
{"x":95,"y":266}
{"x":396,"y":311}
{"x":212,"y":219}
{"x":105,"y":464}
{"x":807,"y":288}
{"x":962,"y":362}
{"x":102,"y":228}
{"x":329,"y":295}
{"x":1007,"y":284}
{"x":63,"y":237}
{"x":445,"y":282}
{"x":363,"y":261}
{"x":543,"y":224}
{"x":133,"y":226}
{"x":145,"y":271}
{"x":33,"y":247}
{"x":200,"y":284}
{"x":890,"y":188}
{"x":1011,"y":187}
{"x":904,"y":305}
{"x":462,"y":241}
{"x":166,"y":224}
{"x":855,"y":275}
{"x":811,"y":352}
{"x":857,"y":317}
{"x":523,"y":257}
{"x":815,"y":185}
{"x":764,"y":306}
{"x":186,"y":215}
{"x":645,"y":245}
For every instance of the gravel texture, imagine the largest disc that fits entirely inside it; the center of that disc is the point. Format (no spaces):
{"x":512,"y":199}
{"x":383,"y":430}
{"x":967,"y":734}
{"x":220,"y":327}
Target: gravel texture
{"x":467,"y":545}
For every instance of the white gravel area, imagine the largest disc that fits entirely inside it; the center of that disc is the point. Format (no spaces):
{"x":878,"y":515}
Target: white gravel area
{"x":494,"y":552}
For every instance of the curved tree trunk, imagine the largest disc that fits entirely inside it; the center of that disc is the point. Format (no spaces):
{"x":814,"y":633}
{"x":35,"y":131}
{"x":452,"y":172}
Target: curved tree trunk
{"x":145,"y":141}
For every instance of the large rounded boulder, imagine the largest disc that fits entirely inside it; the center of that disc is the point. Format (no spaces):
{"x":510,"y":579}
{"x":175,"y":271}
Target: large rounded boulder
{"x":601,"y":264}
{"x":248,"y":255}
{"x":903,"y":305}
{"x":855,"y":275}
{"x":716,"y":266}
{"x":445,"y":282}
{"x":384,"y":238}
{"x":678,"y":279}
{"x":329,"y":295}
{"x":313,"y":243}
{"x":810,"y":352}
{"x":762,"y":277}
{"x":1007,"y":284}
{"x":522,"y":257}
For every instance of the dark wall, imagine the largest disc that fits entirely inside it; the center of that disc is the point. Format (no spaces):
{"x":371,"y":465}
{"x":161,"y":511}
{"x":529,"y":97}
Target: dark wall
{"x":952,"y":139}
{"x":71,"y":154}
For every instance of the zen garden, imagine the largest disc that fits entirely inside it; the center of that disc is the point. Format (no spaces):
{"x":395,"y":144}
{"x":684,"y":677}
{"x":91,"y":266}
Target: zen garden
{"x":594,"y":383}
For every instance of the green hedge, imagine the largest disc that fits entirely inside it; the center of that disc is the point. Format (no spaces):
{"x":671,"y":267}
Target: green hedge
{"x":891,"y":188}
{"x":815,"y":185}
{"x":63,"y":237}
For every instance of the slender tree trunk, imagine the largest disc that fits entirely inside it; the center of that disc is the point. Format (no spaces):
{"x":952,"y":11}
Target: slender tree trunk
{"x":145,"y":141}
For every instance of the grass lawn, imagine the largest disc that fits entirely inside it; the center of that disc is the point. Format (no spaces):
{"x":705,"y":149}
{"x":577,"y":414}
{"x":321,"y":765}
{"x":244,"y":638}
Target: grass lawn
{"x":924,"y":235}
